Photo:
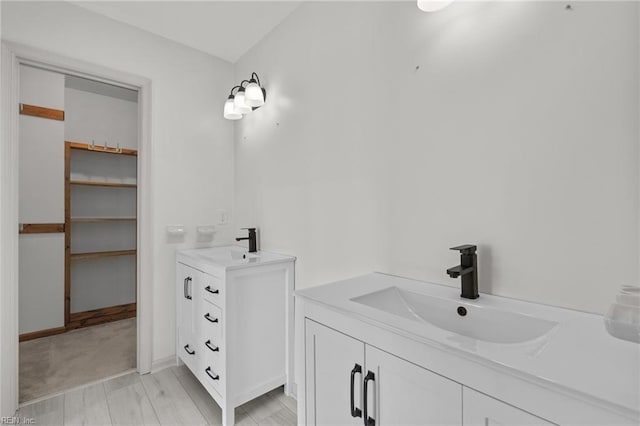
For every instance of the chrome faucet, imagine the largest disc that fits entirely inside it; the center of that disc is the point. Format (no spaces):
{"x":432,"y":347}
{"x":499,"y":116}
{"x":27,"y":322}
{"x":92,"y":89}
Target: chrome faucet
{"x":467,"y":269}
{"x":253,"y":244}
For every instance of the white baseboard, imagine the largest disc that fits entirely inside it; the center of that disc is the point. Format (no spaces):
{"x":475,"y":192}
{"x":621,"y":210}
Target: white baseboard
{"x":293,"y":391}
{"x":161,"y":364}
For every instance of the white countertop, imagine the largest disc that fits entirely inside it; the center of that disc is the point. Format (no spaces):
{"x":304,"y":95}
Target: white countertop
{"x":229,"y":258}
{"x":578,"y":354}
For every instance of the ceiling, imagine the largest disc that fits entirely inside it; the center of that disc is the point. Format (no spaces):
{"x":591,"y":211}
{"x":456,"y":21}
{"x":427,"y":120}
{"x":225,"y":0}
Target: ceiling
{"x":226,"y":29}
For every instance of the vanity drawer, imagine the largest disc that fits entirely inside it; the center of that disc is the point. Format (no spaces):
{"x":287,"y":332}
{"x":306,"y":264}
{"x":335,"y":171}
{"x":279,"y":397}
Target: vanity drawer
{"x":211,"y":350}
{"x":211,"y":322}
{"x":213,"y":289}
{"x":213,"y":377}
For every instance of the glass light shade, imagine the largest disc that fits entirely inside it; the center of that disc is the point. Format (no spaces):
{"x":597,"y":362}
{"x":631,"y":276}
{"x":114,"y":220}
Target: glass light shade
{"x":253,"y":95}
{"x":230,"y":112}
{"x":240,"y":105}
{"x":433,"y":5}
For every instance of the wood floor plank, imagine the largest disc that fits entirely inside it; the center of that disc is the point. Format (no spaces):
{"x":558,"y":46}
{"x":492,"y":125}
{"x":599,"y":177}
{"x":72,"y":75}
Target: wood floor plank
{"x":205,"y":403}
{"x":87,"y":406}
{"x":170,"y":400}
{"x":282,"y":417}
{"x":245,"y":420}
{"x":128,"y":401}
{"x":170,"y":396}
{"x":181,"y":370}
{"x":121,"y":382}
{"x":285,"y":400}
{"x":207,"y":406}
{"x":260,"y":408}
{"x":47,"y":412}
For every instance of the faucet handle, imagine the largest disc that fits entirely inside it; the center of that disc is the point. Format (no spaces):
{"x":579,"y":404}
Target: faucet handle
{"x":249,"y":229}
{"x":465,"y":249}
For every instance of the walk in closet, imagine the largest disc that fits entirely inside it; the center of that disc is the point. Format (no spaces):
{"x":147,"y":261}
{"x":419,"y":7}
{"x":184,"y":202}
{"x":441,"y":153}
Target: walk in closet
{"x":78,"y":219}
{"x":100,"y":196}
{"x":78,"y":197}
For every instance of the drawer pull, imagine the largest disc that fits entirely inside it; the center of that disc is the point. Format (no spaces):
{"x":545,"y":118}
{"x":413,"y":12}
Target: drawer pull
{"x":355,"y":412}
{"x":190,"y":352}
{"x":212,"y":291}
{"x":187,"y":291}
{"x":213,"y":348}
{"x":210,"y":318}
{"x":208,"y":371}
{"x":367,"y":420}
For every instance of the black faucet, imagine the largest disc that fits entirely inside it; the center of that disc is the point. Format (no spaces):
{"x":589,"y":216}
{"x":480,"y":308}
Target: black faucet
{"x":253,"y":246}
{"x":467,"y":269}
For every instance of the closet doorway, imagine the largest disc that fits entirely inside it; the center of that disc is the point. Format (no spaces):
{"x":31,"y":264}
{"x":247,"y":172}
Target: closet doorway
{"x":78,"y":198}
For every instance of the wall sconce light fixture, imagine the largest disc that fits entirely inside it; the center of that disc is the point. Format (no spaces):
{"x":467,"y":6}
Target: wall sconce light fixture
{"x":433,"y":5}
{"x":248,"y":96}
{"x":239,"y":101}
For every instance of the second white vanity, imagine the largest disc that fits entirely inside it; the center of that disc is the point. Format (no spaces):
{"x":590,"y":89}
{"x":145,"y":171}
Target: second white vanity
{"x":384,"y":350}
{"x":234,"y":321}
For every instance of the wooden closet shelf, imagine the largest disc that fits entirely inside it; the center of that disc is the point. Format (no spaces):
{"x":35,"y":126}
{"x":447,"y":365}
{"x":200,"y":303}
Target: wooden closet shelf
{"x":42,"y":112}
{"x":101,"y":149}
{"x":99,"y":254}
{"x":102,"y":219}
{"x":107,"y":184}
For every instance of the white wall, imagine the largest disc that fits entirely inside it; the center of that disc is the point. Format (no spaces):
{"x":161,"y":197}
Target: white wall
{"x":390,"y":135}
{"x":41,"y":200}
{"x":191,"y":142}
{"x":41,"y":287}
{"x":92,"y":117}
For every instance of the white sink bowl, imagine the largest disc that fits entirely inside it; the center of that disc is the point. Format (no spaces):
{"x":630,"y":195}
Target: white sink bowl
{"x":480,"y":322}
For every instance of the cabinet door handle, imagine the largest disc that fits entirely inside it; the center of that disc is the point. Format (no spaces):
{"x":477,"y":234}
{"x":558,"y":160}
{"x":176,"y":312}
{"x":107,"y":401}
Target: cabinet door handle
{"x":213,"y":348}
{"x":210,"y":318}
{"x":368,"y":421}
{"x":190,"y":352}
{"x":355,"y":412}
{"x":212,"y":291}
{"x":208,"y":371}
{"x":187,"y":291}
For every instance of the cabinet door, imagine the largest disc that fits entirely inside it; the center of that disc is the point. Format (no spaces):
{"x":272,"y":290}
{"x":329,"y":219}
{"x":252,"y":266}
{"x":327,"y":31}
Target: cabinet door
{"x":403,"y":393}
{"x":186,"y":286}
{"x":330,"y":357}
{"x":482,"y":410}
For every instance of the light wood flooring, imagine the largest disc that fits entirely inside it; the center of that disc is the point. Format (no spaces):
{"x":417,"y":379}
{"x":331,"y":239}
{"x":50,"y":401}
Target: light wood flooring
{"x":172,"y":396}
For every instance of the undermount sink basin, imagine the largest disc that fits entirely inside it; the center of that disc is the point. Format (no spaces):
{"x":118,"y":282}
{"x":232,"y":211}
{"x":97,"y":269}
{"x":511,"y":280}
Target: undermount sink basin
{"x":479,"y":322}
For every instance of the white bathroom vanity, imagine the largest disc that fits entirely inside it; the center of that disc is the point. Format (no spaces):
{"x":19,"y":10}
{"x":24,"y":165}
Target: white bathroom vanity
{"x":384,"y":350}
{"x":234,"y":319}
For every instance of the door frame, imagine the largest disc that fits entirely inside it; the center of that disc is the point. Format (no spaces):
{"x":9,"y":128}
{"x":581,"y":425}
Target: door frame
{"x":12,"y":56}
